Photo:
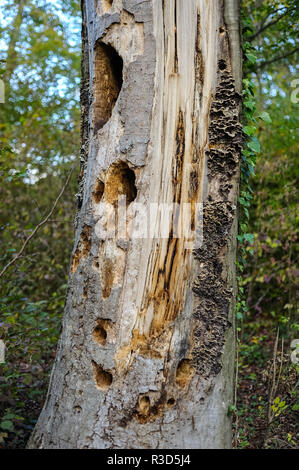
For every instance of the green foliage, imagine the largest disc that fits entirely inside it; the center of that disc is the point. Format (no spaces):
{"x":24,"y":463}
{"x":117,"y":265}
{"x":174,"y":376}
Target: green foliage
{"x":251,"y":148}
{"x":278,"y":406}
{"x":272,"y":27}
{"x":40,"y":118}
{"x":39,"y":142}
{"x":268,"y":227}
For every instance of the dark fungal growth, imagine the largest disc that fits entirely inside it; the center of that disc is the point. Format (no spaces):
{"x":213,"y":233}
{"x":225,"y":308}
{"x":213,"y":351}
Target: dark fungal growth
{"x":212,"y":294}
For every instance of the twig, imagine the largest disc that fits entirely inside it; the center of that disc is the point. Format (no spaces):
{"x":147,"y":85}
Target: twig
{"x":280,"y":368}
{"x":271,"y":23}
{"x":43,"y":222}
{"x":263,"y":21}
{"x":277,"y":58}
{"x":272,"y":392}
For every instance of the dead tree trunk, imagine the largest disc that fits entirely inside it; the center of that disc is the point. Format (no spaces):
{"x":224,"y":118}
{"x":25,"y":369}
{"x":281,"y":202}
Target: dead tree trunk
{"x":146,"y":355}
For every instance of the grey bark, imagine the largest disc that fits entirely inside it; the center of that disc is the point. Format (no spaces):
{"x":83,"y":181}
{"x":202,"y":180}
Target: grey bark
{"x":146,"y":355}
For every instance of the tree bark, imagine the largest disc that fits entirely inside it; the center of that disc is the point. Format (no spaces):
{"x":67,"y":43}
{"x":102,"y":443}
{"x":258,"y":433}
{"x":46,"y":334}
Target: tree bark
{"x":146,"y":355}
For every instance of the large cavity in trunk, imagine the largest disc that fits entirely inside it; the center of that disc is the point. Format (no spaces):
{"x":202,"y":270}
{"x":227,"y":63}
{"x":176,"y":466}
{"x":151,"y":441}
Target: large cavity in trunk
{"x":107,"y":84}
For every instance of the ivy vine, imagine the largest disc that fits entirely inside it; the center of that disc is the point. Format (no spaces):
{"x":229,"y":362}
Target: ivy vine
{"x":248,"y":159}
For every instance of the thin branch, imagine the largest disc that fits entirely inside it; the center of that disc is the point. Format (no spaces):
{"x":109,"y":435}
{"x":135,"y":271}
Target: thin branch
{"x":276,"y":59}
{"x":273,"y":22}
{"x":43,"y":222}
{"x":263,"y":21}
{"x":280,"y":368}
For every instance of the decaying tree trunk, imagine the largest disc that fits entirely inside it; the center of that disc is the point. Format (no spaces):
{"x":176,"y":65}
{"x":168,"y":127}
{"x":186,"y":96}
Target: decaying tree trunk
{"x":146,"y":355}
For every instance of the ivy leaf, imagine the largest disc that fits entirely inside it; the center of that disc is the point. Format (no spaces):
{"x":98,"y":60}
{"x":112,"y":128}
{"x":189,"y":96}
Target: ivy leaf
{"x":249,"y":237}
{"x":265,"y":117}
{"x":231,"y":409}
{"x":251,"y":169}
{"x":251,"y":57}
{"x":249,"y":104}
{"x":7,"y":425}
{"x":246,"y":212}
{"x":8,"y":416}
{"x":249,"y":130}
{"x":254,"y":145}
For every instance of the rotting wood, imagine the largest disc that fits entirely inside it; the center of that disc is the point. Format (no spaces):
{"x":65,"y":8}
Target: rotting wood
{"x":146,"y":355}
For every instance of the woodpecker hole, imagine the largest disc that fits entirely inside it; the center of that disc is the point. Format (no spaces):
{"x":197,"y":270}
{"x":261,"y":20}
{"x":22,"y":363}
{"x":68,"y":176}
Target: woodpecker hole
{"x":103,"y":378}
{"x":108,"y":81}
{"x":120,"y":181}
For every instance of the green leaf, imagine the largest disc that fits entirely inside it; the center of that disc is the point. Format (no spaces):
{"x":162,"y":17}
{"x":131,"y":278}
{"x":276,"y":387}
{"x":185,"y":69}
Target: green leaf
{"x":249,"y":237}
{"x":265,"y":117}
{"x":254,"y":145}
{"x":8,"y":416}
{"x":249,"y":104}
{"x":231,"y":409}
{"x":251,"y":57}
{"x":7,"y":425}
{"x":249,"y":130}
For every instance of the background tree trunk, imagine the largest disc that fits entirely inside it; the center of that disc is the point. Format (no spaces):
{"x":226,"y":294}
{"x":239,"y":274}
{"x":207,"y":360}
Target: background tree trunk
{"x":146,"y":355}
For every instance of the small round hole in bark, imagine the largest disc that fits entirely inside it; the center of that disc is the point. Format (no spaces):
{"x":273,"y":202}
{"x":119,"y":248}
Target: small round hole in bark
{"x":120,"y":181}
{"x":108,"y":67}
{"x":98,"y":191}
{"x":96,"y":265}
{"x":100,"y":334}
{"x":77,"y":409}
{"x":171,"y":402}
{"x":221,"y":30}
{"x":103,"y":378}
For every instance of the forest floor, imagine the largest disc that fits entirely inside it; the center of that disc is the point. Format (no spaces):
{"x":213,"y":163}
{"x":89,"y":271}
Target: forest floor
{"x":254,"y":425}
{"x":21,"y":401}
{"x":266,"y":415}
